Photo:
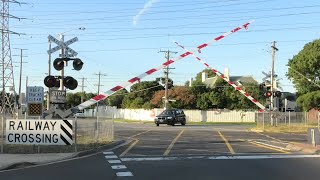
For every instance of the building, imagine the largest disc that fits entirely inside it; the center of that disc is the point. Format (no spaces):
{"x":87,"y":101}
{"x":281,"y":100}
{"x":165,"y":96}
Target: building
{"x":238,"y":80}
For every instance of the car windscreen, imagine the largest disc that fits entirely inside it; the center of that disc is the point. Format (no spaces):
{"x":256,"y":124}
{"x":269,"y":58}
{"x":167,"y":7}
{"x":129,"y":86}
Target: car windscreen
{"x":167,"y":113}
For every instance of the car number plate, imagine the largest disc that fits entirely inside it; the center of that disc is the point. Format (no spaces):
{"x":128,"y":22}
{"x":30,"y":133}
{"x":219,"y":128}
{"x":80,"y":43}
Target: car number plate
{"x":161,"y":120}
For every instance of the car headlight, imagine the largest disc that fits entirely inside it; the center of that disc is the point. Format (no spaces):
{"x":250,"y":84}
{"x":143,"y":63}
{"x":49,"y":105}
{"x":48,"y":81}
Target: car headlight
{"x":169,"y":117}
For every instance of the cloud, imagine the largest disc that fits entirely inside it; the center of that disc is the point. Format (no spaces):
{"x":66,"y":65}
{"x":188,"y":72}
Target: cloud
{"x":146,"y":7}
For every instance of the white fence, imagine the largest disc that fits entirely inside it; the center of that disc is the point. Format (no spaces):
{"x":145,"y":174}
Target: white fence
{"x":192,"y":115}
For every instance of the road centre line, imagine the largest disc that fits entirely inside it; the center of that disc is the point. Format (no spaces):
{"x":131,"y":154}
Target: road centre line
{"x":138,"y":134}
{"x":172,"y":143}
{"x":268,"y":147}
{"x":129,"y":148}
{"x":134,"y":143}
{"x":227,"y":143}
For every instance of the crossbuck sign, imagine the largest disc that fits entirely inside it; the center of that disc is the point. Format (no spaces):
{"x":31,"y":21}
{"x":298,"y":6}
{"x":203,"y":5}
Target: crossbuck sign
{"x":63,"y":45}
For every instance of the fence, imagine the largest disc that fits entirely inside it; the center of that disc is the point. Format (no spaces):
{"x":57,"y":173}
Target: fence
{"x":289,"y":119}
{"x":191,"y":115}
{"x":88,"y":133}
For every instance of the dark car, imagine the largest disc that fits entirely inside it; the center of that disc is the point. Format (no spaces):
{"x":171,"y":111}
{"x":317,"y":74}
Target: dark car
{"x":171,"y":117}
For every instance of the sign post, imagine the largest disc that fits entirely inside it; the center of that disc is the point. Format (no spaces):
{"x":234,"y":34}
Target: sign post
{"x":35,"y":98}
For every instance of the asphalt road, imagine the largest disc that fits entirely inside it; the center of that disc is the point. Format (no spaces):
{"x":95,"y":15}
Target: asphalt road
{"x":184,"y":152}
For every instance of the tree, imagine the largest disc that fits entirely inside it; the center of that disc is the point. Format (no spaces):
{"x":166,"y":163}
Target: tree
{"x":309,"y":101}
{"x":141,"y":94}
{"x":306,"y":62}
{"x":182,"y":96}
{"x":117,"y":98}
{"x":73,"y":99}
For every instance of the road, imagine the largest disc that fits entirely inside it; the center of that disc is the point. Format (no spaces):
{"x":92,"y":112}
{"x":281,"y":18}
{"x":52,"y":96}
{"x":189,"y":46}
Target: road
{"x":185,"y":152}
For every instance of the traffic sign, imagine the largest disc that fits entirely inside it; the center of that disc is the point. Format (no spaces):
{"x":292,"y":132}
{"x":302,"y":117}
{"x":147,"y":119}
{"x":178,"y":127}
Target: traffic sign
{"x":39,"y":132}
{"x":34,"y":109}
{"x":62,"y":45}
{"x":57,"y":96}
{"x":35,"y":94}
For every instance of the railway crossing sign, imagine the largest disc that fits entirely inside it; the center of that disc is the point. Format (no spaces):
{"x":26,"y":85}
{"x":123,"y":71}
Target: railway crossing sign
{"x":39,"y":132}
{"x":61,"y":45}
{"x":268,"y":75}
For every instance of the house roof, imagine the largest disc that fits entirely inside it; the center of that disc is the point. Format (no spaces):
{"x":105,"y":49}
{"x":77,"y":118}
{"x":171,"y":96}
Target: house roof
{"x":238,"y":80}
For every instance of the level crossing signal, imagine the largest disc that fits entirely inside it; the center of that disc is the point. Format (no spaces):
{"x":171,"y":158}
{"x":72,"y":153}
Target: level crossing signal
{"x":68,"y":81}
{"x":268,"y":93}
{"x":54,"y":81}
{"x":58,"y":63}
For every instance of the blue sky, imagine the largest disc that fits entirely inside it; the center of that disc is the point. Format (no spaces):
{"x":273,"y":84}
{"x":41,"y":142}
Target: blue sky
{"x":122,"y":37}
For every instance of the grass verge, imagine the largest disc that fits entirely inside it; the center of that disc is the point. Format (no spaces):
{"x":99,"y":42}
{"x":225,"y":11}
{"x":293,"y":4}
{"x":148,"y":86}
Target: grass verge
{"x":222,"y":123}
{"x":284,"y":128}
{"x":132,"y":121}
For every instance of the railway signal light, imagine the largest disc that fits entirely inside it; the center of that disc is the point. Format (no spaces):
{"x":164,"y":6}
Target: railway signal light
{"x":277,"y":94}
{"x":51,"y":81}
{"x":77,"y":64}
{"x":70,"y":83}
{"x":268,"y":94}
{"x":58,"y":63}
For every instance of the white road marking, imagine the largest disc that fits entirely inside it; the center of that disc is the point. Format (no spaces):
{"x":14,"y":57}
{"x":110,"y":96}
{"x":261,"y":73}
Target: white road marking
{"x":119,"y":167}
{"x":266,"y":157}
{"x":111,"y":157}
{"x":273,"y":156}
{"x":124,"y":174}
{"x":114,"y":161}
{"x":109,"y":152}
{"x":278,"y":147}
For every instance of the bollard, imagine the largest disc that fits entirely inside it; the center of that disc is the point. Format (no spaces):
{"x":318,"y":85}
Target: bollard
{"x":75,"y":135}
{"x":289,"y":122}
{"x":263,"y":120}
{"x":313,"y":141}
{"x":313,"y":136}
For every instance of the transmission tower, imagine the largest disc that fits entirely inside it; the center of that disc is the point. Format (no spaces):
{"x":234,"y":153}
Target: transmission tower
{"x":8,"y":94}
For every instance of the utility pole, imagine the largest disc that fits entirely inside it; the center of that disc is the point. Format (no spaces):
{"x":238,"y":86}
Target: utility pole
{"x":49,"y":74}
{"x":166,"y":72}
{"x":62,"y":70}
{"x":82,"y":89}
{"x":20,"y":78}
{"x":274,"y":49}
{"x":99,"y":78}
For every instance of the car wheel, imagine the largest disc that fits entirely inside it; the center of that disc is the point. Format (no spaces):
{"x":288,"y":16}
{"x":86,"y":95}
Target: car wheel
{"x":172,"y":124}
{"x":183,"y":123}
{"x":157,"y":124}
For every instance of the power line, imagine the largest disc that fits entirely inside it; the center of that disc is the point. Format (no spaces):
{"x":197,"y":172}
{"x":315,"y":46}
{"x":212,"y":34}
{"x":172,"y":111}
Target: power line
{"x":195,"y":24}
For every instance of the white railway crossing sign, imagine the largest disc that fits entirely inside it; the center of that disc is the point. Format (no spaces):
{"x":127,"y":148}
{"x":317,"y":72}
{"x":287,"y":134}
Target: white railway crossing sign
{"x":39,"y":132}
{"x":64,"y":45}
{"x":268,"y":75}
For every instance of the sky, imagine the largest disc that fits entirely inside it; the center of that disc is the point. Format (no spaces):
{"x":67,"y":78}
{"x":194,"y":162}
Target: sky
{"x":123,"y":38}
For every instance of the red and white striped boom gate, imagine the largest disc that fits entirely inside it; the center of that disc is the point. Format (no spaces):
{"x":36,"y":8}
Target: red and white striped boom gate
{"x":113,"y":90}
{"x":237,"y":88}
